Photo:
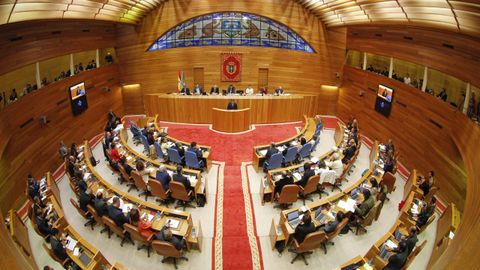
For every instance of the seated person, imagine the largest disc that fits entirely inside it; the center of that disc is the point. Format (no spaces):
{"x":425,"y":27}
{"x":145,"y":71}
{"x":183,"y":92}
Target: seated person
{"x":37,"y":205}
{"x":389,"y":165}
{"x":232,"y":105}
{"x":271,"y":150}
{"x":425,"y":213}
{"x":335,"y":164}
{"x":116,"y":214}
{"x":164,"y":145}
{"x":286,"y":179}
{"x":197,"y":90}
{"x":231,"y":89}
{"x":179,"y":177}
{"x":410,"y":240}
{"x":165,"y":234}
{"x":71,"y":166}
{"x":194,"y":148}
{"x":58,"y":247}
{"x":126,"y":166}
{"x":150,"y":137}
{"x":332,"y":225}
{"x":185,"y":91}
{"x":180,"y":149}
{"x":108,"y":138}
{"x":390,"y":146}
{"x":349,"y":151}
{"x":263,"y":91}
{"x":398,"y":259}
{"x":249,"y":90}
{"x":81,"y":184}
{"x":84,"y":199}
{"x":304,"y":228}
{"x":163,"y":177}
{"x":303,"y":141}
{"x":279,"y":91}
{"x":114,"y":154}
{"x":364,"y":208}
{"x":33,"y":187}
{"x":352,"y":124}
{"x":140,"y":168}
{"x":426,"y":183}
{"x":308,"y":172}
{"x":143,"y":226}
{"x":45,"y":223}
{"x":214,"y":90}
{"x":100,"y":204}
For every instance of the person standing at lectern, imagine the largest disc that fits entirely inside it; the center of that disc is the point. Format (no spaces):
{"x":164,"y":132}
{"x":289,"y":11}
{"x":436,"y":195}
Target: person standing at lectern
{"x":231,"y":89}
{"x":232,"y":105}
{"x":214,"y":90}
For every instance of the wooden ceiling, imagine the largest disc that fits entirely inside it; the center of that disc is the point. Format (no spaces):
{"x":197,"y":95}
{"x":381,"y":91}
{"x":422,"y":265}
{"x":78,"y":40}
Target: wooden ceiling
{"x":128,"y":11}
{"x":461,"y":16}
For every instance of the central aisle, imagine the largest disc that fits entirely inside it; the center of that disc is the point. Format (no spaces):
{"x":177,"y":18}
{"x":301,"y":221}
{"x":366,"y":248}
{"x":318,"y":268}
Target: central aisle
{"x":235,"y":244}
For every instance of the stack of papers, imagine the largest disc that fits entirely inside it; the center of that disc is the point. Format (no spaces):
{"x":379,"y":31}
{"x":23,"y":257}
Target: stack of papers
{"x":263,"y":152}
{"x":76,"y":252}
{"x":126,"y":207}
{"x":147,"y":217}
{"x":390,"y":244}
{"x":414,"y":209}
{"x":193,"y":180}
{"x":173,"y":223}
{"x":347,"y":205}
{"x":297,"y":176}
{"x":71,"y":243}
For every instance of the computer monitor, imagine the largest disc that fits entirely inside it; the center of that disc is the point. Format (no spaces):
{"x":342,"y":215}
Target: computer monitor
{"x":384,"y":100}
{"x":78,"y":98}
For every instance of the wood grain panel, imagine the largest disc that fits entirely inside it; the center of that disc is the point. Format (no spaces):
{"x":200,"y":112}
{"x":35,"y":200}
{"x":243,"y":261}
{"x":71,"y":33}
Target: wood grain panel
{"x":28,"y":42}
{"x":452,"y":53}
{"x":133,"y":93}
{"x":231,"y":121}
{"x":34,"y":148}
{"x":419,"y":124}
{"x":198,"y":109}
{"x":297,"y":72}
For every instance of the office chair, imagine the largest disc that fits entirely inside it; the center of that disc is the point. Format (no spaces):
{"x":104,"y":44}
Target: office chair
{"x":174,"y":156}
{"x":140,"y":184}
{"x":158,"y":151}
{"x":125,"y":177}
{"x":288,"y":195}
{"x":311,"y":242}
{"x":274,"y":162}
{"x":136,"y":236}
{"x":120,"y":232}
{"x":305,"y":151}
{"x":191,"y":160}
{"x":310,"y":187}
{"x":146,"y":146}
{"x":334,"y":234}
{"x":291,"y":155}
{"x":414,"y":254}
{"x":136,"y":133}
{"x":179,"y":192}
{"x":168,"y":251}
{"x":90,"y":221}
{"x":54,"y":257}
{"x":97,"y":218}
{"x":363,"y":222}
{"x":156,"y":190}
{"x":389,"y":180}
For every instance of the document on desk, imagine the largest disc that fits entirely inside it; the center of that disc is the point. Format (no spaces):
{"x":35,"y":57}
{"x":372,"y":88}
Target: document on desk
{"x":297,"y":176}
{"x":148,"y":217}
{"x":193,"y":180}
{"x":414,"y":209}
{"x":127,"y":207}
{"x":173,"y":223}
{"x":71,"y":243}
{"x":348,"y":205}
{"x":314,"y":159}
{"x":390,"y":244}
{"x":263,"y":152}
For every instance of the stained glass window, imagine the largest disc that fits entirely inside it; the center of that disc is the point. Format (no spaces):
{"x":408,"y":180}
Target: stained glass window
{"x":231,"y":29}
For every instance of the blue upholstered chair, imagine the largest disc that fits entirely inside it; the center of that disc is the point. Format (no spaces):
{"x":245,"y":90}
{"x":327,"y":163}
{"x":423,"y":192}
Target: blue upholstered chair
{"x":274,"y":162}
{"x":305,"y":151}
{"x":174,"y":156}
{"x":146,"y":146}
{"x":158,"y":150}
{"x":291,"y":154}
{"x":192,"y":161}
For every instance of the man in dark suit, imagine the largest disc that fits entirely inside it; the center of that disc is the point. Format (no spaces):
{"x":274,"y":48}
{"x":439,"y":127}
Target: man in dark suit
{"x":399,"y":258}
{"x":71,"y":166}
{"x":126,"y":166}
{"x":231,"y":89}
{"x":116,"y":214}
{"x":286,"y":179}
{"x":185,"y":91}
{"x":58,"y":247}
{"x":100,"y":205}
{"x":279,"y":91}
{"x":332,"y":225}
{"x":304,"y":228}
{"x":197,"y":90}
{"x":308,"y":172}
{"x":194,"y":148}
{"x":271,"y":150}
{"x":349,"y":151}
{"x":82,"y":186}
{"x":163,"y":177}
{"x":410,"y":240}
{"x":43,"y":224}
{"x":84,"y":199}
{"x":165,"y":234}
{"x":214,"y":90}
{"x":180,"y":149}
{"x":232,"y":105}
{"x":178,"y":177}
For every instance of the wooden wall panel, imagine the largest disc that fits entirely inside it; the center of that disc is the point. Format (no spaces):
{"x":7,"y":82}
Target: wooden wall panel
{"x":419,"y":124}
{"x":297,"y":72}
{"x":28,"y":42}
{"x":34,"y":148}
{"x":429,"y":47}
{"x":133,"y":95}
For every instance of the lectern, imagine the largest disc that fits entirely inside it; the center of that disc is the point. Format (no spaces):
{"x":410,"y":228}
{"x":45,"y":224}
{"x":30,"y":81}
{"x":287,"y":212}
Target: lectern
{"x":231,"y":121}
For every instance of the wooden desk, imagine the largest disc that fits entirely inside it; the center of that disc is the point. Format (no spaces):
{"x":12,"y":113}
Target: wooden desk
{"x":231,"y":121}
{"x":198,"y":109}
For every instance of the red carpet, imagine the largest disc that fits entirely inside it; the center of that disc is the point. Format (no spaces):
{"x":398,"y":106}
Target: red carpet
{"x":233,"y":150}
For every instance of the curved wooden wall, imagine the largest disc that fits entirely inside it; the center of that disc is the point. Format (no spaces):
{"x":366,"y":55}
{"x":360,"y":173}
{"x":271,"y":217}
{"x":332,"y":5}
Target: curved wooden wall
{"x":296,"y":71}
{"x":452,"y":53}
{"x":32,"y":148}
{"x":29,"y":42}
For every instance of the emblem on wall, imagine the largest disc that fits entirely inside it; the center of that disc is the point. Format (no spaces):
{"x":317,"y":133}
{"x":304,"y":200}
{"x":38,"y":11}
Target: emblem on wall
{"x":230,"y":65}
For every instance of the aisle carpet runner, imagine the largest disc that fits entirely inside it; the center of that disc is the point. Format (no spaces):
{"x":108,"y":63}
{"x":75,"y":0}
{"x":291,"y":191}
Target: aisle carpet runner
{"x":238,"y":246}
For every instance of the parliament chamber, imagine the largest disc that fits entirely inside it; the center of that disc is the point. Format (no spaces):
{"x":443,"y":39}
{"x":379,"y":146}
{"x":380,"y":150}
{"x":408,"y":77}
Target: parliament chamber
{"x":246,"y":134}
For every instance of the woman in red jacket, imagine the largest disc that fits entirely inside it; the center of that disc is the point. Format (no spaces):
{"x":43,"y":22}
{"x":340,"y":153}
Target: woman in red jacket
{"x":114,"y":155}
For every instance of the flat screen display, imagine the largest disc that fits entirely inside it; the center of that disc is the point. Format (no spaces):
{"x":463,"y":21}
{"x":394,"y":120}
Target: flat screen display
{"x":78,"y":98}
{"x":384,"y":100}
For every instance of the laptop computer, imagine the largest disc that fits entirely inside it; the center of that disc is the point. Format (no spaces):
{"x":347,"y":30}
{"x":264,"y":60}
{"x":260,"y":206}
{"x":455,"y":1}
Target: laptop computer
{"x":320,"y":216}
{"x":293,"y":218}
